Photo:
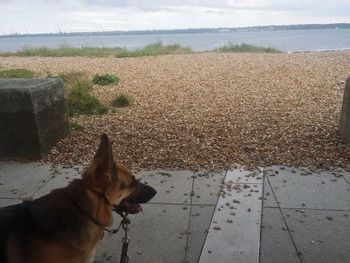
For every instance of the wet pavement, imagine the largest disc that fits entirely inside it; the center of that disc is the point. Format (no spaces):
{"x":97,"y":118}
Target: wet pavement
{"x":275,"y":214}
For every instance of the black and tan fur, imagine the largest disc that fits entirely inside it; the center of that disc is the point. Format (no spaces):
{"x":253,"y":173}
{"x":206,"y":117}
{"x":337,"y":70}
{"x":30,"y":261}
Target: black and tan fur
{"x":65,"y":225}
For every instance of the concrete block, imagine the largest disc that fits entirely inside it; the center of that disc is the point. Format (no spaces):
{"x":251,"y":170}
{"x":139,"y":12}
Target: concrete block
{"x":305,"y":189}
{"x":173,"y":187}
{"x":321,"y":236}
{"x":344,"y":126}
{"x":276,"y":243}
{"x":241,"y":176}
{"x":207,"y":188}
{"x":234,"y":234}
{"x":22,"y":180}
{"x":9,"y":201}
{"x":269,"y":198}
{"x":60,"y":177}
{"x":199,"y":226}
{"x":156,"y":234}
{"x":33,"y":116}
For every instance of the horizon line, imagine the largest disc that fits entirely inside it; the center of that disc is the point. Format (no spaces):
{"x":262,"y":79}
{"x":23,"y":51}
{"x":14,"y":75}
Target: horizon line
{"x":175,"y":29}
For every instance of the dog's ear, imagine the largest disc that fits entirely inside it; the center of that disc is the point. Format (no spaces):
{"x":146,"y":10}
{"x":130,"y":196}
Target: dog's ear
{"x":103,"y":168}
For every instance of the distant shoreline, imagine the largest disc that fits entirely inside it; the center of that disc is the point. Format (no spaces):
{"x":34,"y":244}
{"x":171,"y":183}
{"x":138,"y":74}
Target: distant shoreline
{"x":334,"y":26}
{"x":316,"y":40}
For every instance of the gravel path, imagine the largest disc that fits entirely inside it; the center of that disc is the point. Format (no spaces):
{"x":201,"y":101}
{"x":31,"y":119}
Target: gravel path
{"x":211,"y":111}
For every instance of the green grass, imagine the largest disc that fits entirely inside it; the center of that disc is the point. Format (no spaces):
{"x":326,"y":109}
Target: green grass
{"x":106,"y":79}
{"x":243,"y":48}
{"x":67,"y":51}
{"x":16,"y":73}
{"x":154,"y":49}
{"x":76,"y":126}
{"x":79,"y":98}
{"x":120,"y":101}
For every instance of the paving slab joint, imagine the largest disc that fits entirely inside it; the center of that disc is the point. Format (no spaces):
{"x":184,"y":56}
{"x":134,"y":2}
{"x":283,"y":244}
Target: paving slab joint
{"x":298,"y":253}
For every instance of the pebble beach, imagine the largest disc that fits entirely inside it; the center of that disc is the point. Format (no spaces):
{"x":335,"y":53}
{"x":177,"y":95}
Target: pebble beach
{"x":210,"y":110}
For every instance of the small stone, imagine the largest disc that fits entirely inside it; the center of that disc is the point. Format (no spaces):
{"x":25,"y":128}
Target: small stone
{"x":230,"y":221}
{"x":329,"y":218}
{"x":188,"y":232}
{"x":248,"y":210}
{"x":217,"y":228}
{"x":284,"y":228}
{"x":139,"y":252}
{"x":184,"y":207}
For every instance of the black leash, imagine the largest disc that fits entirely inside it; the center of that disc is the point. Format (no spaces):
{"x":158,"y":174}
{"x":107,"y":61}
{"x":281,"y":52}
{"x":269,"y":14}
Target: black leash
{"x":124,"y":258}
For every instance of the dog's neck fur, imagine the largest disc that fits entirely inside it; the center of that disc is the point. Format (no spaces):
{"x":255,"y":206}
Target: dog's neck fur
{"x":92,"y":209}
{"x":92,"y":204}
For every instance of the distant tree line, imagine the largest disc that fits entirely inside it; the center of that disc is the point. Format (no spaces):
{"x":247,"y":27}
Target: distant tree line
{"x":193,"y":30}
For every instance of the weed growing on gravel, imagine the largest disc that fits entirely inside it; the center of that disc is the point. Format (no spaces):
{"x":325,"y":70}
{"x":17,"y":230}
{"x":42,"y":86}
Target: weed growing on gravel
{"x":106,"y":79}
{"x":241,"y":48}
{"x":80,"y":100}
{"x":76,"y":126}
{"x":16,"y":73}
{"x":120,"y":101}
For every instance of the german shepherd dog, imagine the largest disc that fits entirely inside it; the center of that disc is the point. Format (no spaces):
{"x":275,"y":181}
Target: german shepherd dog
{"x":65,"y":225}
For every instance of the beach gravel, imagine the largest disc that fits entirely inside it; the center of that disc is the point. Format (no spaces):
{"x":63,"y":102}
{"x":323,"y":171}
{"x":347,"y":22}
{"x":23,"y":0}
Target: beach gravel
{"x":211,"y":110}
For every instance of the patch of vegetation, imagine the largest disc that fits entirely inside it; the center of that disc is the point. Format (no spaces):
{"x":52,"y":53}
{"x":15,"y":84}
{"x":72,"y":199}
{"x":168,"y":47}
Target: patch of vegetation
{"x":80,"y":100}
{"x":242,"y":48}
{"x":16,"y":73}
{"x":104,"y":80}
{"x":120,"y":101}
{"x":76,"y":126}
{"x":65,"y":51}
{"x":68,"y":51}
{"x":154,"y":49}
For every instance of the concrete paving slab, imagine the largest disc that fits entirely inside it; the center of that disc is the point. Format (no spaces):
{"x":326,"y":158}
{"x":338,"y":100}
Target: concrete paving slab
{"x":9,"y":201}
{"x":269,"y":198}
{"x":316,"y":191}
{"x":173,"y":187}
{"x":322,"y":236}
{"x":156,"y":234}
{"x":22,"y":180}
{"x":234,"y":234}
{"x":276,"y":243}
{"x":199,"y":225}
{"x":206,"y":188}
{"x":243,"y":176}
{"x":60,"y":177}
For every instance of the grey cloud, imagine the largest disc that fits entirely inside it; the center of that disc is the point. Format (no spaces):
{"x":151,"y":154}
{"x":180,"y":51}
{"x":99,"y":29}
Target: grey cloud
{"x":257,"y":5}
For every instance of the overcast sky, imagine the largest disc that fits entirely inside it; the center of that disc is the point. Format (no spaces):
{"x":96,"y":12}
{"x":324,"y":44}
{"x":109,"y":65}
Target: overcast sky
{"x":37,"y":16}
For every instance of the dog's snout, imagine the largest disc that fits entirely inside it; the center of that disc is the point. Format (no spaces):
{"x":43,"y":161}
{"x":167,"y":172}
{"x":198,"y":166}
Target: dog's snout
{"x":144,"y":193}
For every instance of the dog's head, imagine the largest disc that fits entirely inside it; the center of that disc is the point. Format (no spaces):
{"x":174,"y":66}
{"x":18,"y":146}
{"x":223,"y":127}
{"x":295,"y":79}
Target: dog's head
{"x":116,"y":182}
